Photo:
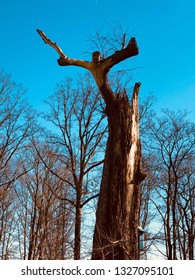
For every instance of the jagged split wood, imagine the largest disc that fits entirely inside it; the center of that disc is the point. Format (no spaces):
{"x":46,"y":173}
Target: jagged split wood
{"x":117,"y":217}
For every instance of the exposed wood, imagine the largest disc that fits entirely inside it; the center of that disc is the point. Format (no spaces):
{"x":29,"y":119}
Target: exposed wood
{"x":50,"y":43}
{"x":117,"y":217}
{"x":106,"y":64}
{"x":63,"y":60}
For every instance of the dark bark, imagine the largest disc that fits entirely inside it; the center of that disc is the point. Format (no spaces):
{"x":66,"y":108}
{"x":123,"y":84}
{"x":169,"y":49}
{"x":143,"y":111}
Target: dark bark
{"x":77,"y":241}
{"x":117,"y":218}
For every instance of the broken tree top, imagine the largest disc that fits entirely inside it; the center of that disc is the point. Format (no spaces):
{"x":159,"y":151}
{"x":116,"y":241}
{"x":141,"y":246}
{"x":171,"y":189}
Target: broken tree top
{"x":120,"y":55}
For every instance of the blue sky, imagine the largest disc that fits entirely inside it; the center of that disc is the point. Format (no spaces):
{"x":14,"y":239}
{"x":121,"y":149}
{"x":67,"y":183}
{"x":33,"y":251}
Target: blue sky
{"x":165,"y":32}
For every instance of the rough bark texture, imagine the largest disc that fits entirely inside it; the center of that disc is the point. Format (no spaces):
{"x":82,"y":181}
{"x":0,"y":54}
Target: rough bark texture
{"x":117,"y":218}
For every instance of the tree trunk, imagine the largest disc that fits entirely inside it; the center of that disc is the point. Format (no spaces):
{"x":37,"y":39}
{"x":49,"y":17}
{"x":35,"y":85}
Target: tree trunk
{"x":117,"y":217}
{"x":77,"y":240}
{"x":117,"y":220}
{"x":191,"y":246}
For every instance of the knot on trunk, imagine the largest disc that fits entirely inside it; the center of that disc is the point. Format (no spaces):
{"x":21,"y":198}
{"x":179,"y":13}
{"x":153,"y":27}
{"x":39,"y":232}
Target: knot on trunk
{"x":61,"y":61}
{"x":96,"y":57}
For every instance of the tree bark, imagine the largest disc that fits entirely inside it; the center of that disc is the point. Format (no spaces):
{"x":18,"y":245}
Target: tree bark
{"x":77,"y":241}
{"x":117,"y":217}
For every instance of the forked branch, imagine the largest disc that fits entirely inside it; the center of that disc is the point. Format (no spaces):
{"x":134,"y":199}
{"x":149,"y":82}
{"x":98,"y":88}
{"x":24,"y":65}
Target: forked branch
{"x":105,"y":64}
{"x":98,"y":67}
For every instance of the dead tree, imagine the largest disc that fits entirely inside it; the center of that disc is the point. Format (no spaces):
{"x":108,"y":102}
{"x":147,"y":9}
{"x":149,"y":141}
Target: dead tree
{"x":117,"y":217}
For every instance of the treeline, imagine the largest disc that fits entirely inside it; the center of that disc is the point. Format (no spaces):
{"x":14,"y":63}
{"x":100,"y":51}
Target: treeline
{"x":168,"y":193}
{"x":50,"y":174}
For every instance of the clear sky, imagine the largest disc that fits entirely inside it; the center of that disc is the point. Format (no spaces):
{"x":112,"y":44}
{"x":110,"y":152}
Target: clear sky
{"x":165,"y":32}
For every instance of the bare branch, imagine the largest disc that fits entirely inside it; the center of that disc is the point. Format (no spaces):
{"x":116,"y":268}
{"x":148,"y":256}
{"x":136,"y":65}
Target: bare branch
{"x":94,"y":165}
{"x":118,"y":56}
{"x":90,"y":198}
{"x":63,"y":60}
{"x":61,"y":198}
{"x":52,"y":172}
{"x":52,"y":44}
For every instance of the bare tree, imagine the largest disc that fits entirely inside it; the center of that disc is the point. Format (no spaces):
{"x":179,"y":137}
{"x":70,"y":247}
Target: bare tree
{"x":16,"y":121}
{"x":185,"y":218}
{"x":78,"y":119}
{"x":45,"y":227}
{"x":16,"y":125}
{"x":172,"y":141}
{"x":117,"y":216}
{"x":8,"y":206}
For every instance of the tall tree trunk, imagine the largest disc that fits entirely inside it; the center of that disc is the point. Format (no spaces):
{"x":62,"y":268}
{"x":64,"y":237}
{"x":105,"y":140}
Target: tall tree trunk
{"x":78,"y":216}
{"x":117,"y":217}
{"x":116,"y":229}
{"x":191,"y":246}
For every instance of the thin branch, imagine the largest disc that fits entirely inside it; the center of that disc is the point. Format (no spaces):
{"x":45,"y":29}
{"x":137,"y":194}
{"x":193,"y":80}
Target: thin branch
{"x":90,"y":198}
{"x":94,"y":165}
{"x":14,"y":179}
{"x":52,"y":172}
{"x":61,"y":198}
